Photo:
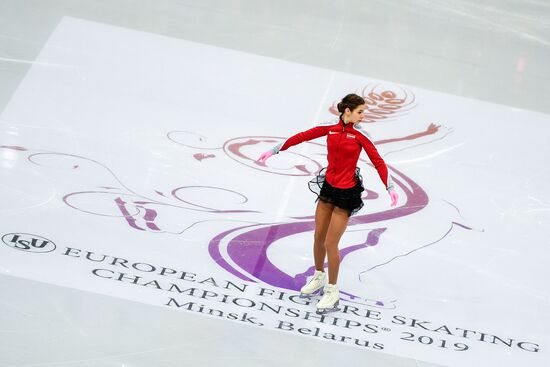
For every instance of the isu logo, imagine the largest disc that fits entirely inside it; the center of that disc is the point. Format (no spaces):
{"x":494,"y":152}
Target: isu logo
{"x":28,"y":242}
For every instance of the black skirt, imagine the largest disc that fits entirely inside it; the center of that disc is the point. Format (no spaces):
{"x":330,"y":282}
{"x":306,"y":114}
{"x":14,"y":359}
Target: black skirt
{"x":348,"y":199}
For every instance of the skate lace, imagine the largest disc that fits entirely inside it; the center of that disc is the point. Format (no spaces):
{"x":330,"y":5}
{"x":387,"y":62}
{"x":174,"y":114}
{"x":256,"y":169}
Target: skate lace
{"x":318,"y":277}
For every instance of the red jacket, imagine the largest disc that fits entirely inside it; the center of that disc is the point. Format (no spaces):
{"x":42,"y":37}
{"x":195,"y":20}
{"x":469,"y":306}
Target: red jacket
{"x":344,"y":143}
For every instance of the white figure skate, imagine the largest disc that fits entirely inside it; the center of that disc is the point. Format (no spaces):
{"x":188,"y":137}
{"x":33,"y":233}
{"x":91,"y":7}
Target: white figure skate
{"x":315,"y":284}
{"x":330,"y":301}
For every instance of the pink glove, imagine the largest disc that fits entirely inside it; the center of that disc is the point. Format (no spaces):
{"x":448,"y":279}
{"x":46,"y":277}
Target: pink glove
{"x":394,"y":197}
{"x":264,"y":156}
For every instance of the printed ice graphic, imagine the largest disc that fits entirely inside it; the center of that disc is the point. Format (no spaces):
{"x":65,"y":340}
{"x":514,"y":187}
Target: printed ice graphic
{"x":154,"y":167}
{"x":249,"y":251}
{"x":246,"y":248}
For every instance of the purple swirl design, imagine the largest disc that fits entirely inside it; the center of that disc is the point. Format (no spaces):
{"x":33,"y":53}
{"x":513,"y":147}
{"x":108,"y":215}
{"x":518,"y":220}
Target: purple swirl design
{"x":198,"y":139}
{"x":383,"y":102}
{"x":120,"y":201}
{"x":13,"y":147}
{"x":245,"y":199}
{"x":248,"y":250}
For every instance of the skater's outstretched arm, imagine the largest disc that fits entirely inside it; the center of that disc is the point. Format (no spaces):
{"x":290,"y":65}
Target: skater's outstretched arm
{"x":378,"y":163}
{"x":313,"y":133}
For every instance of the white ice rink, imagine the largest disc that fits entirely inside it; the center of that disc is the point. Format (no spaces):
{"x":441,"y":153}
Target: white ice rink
{"x":137,"y":229}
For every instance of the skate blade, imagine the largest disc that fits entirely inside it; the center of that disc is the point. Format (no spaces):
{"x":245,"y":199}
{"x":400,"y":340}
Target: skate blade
{"x":322,"y":311}
{"x":317,"y":292}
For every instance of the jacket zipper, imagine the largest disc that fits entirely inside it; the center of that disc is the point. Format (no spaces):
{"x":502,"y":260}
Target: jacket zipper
{"x":338,"y":146}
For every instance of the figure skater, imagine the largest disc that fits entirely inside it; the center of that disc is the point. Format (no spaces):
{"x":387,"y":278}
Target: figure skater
{"x":338,"y":188}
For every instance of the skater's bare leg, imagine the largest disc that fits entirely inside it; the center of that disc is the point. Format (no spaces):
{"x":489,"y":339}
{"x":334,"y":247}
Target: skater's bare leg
{"x":337,"y":226}
{"x":323,"y":214}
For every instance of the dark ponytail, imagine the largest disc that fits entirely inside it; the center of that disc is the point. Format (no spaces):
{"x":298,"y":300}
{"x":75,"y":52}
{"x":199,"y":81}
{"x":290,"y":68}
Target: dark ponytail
{"x":350,"y":101}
